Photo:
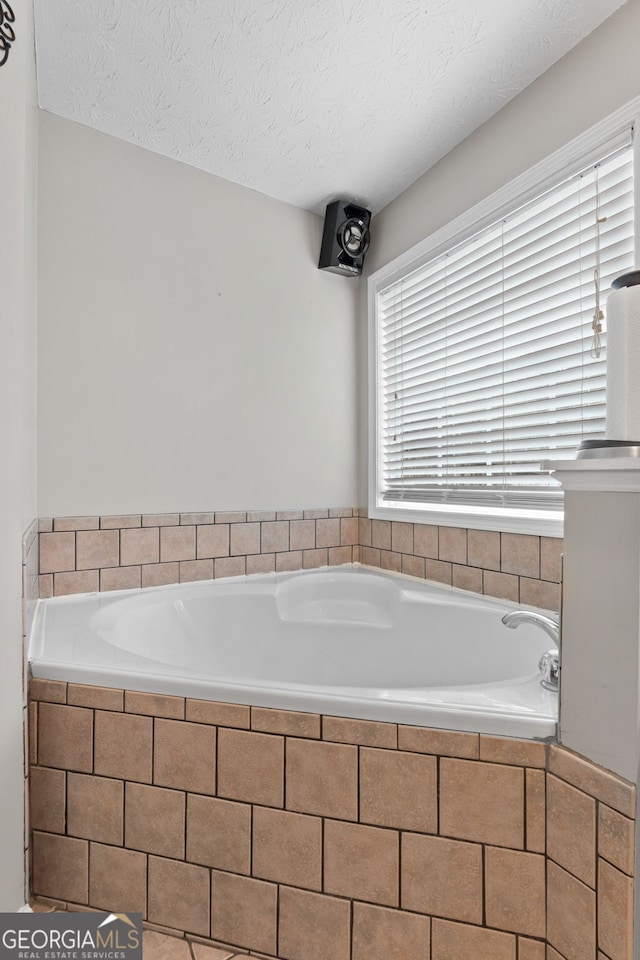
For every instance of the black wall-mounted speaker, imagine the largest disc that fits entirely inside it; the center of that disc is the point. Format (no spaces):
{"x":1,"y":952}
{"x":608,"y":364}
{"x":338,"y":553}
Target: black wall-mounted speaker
{"x":345,"y":238}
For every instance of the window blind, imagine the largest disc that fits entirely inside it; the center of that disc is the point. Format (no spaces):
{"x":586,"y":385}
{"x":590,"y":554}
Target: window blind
{"x":485,"y":352}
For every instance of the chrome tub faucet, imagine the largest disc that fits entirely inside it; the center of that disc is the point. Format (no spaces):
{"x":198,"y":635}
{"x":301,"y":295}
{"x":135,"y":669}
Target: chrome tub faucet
{"x":549,"y":663}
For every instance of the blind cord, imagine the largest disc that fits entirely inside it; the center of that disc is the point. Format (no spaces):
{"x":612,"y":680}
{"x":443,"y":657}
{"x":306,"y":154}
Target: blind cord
{"x":598,"y":316}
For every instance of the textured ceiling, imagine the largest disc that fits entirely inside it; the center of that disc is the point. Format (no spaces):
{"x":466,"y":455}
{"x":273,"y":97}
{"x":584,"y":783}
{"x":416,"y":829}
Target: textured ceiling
{"x":303,"y":100}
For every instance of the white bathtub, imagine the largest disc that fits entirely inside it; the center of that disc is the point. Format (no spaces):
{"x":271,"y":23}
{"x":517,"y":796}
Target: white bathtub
{"x":343,"y":641}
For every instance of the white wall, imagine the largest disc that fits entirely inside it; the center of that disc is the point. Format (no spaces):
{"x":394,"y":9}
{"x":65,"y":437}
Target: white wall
{"x":191,"y":354}
{"x":17,"y":430}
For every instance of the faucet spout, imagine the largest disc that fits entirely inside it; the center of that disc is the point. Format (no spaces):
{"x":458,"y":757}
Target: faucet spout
{"x":551,"y":627}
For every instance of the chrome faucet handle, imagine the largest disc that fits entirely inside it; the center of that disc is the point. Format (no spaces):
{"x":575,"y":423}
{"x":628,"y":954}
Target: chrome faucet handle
{"x":549,"y":666}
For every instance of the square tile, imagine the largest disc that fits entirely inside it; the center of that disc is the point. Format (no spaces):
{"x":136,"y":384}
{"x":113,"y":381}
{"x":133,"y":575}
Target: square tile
{"x":459,"y":941}
{"x":139,"y":545}
{"x":616,"y":841}
{"x":47,"y":798}
{"x":95,"y":808}
{"x":361,"y":862}
{"x":442,"y":877}
{"x":212,"y":540}
{"x":482,"y":802}
{"x":184,"y":755}
{"x":615,"y":912}
{"x":571,"y":915}
{"x":274,"y":537}
{"x":398,"y":789}
{"x":177,"y":543}
{"x":219,"y":833}
{"x":245,"y":538}
{"x":97,"y":548}
{"x":60,"y":867}
{"x":287,"y":848}
{"x":179,"y":895}
{"x":571,"y":829}
{"x":123,"y":746}
{"x":118,"y":880}
{"x":515,"y":891}
{"x":313,"y":926}
{"x":65,"y":737}
{"x":251,"y":767}
{"x":389,"y":934}
{"x":57,"y":552}
{"x":322,"y":778}
{"x":244,"y":911}
{"x":154,"y":820}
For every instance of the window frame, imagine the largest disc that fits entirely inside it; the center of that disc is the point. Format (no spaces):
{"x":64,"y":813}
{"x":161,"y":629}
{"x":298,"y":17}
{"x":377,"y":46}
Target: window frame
{"x":563,"y":163}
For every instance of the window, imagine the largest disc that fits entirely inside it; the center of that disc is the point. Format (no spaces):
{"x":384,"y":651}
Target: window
{"x":485,"y":360}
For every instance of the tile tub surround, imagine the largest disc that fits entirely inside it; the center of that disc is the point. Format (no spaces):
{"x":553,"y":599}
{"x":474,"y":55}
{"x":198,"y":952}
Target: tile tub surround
{"x":303,"y":837}
{"x":85,"y":554}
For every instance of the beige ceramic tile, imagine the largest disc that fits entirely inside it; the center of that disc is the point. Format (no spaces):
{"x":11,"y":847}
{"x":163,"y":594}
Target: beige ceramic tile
{"x":503,"y":586}
{"x":118,"y":879}
{"x":551,"y":549}
{"x":192,"y":570}
{"x":179,"y":895}
{"x":594,"y":780}
{"x":401,"y":537}
{"x":139,"y":545}
{"x":535,"y":810}
{"x":198,"y":518}
{"x":154,"y":820}
{"x":60,"y":867}
{"x":65,"y":737}
{"x":261,"y":563}
{"x":312,"y":559}
{"x":244,"y":911}
{"x":289,"y":515}
{"x":95,"y":808}
{"x":349,"y":527}
{"x":120,"y":521}
{"x":97,"y":548}
{"x":448,"y":743}
{"x":364,"y":532}
{"x":160,"y":574}
{"x":520,"y":554}
{"x":274,"y":537}
{"x":370,"y":733}
{"x":245,"y":538}
{"x":361,"y":862}
{"x":442,"y":877}
{"x":229,"y":567}
{"x":439,"y":571}
{"x":328,"y":533}
{"x":103,"y":698}
{"x":177,"y":543}
{"x":289,"y":561}
{"x":154,"y":705}
{"x":47,"y":799}
{"x":467,"y":578}
{"x":123,"y":746}
{"x":286,"y":722}
{"x":571,"y":915}
{"x":157,"y":946}
{"x":389,"y":934}
{"x":413,"y":566}
{"x":370,"y":557}
{"x":615,"y":912}
{"x":184,"y":755}
{"x":53,"y":691}
{"x":220,"y":714}
{"x":483,"y":549}
{"x":455,"y":941}
{"x":45,"y":586}
{"x":261,"y":516}
{"x":571,"y":829}
{"x":313,"y":926}
{"x":219,"y":833}
{"x":453,"y":544}
{"x":120,"y":578}
{"x":251,"y":767}
{"x":525,"y":753}
{"x":539,"y":593}
{"x":287,"y":848}
{"x":231,"y":516}
{"x":482,"y":802}
{"x":320,"y":513}
{"x":399,"y":790}
{"x":57,"y":552}
{"x":322,"y":778}
{"x":616,"y":838}
{"x":76,"y":523}
{"x":302,"y":535}
{"x":515,"y":891}
{"x":391,"y":561}
{"x":531,"y":949}
{"x":82,"y":581}
{"x":160,"y":519}
{"x":425,"y":540}
{"x":213,"y":540}
{"x":381,"y":534}
{"x":340,"y":555}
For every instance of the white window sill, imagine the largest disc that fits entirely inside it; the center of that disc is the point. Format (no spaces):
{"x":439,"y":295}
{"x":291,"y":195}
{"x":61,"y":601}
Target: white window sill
{"x":539,"y":523}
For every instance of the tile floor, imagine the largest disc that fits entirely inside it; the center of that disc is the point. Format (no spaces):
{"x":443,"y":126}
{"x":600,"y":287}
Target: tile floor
{"x":160,"y":946}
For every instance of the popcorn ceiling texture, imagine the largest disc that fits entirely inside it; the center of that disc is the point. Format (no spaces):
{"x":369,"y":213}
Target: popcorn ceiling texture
{"x":301,"y":101}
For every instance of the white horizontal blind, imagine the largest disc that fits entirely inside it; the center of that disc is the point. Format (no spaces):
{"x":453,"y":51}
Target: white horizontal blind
{"x":485,"y":352}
